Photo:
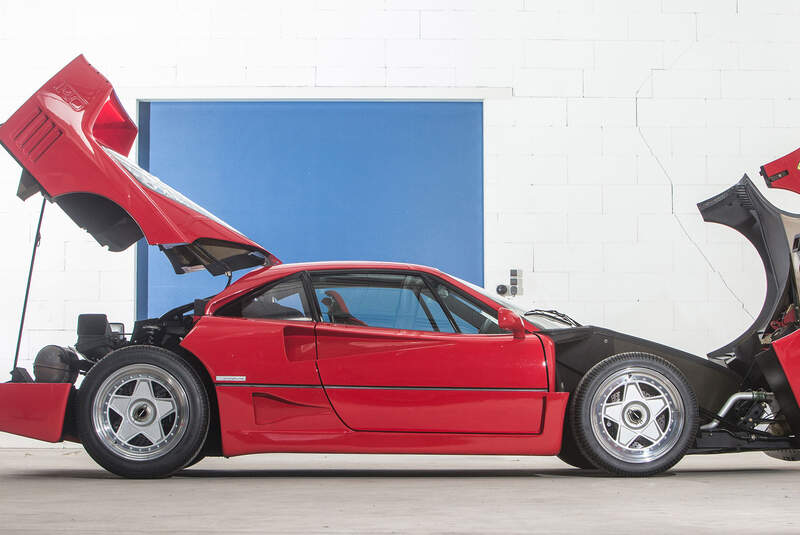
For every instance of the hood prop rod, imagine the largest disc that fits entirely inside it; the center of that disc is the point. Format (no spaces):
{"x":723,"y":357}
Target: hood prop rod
{"x":15,"y":374}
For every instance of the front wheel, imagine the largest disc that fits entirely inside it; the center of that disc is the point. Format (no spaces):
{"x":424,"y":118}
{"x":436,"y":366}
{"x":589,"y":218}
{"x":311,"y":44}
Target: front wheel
{"x":143,"y":412}
{"x":634,"y":414}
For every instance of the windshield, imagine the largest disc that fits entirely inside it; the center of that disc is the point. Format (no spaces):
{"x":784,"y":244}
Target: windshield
{"x":539,"y":320}
{"x":153,"y":183}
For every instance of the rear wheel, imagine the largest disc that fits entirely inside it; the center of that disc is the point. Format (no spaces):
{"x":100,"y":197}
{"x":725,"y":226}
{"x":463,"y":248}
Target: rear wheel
{"x":143,"y":412}
{"x":634,"y":414}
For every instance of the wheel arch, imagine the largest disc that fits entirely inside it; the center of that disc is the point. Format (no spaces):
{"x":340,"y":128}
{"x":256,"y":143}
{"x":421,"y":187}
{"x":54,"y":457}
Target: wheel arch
{"x":213,"y":445}
{"x":108,"y":222}
{"x":579,"y":349}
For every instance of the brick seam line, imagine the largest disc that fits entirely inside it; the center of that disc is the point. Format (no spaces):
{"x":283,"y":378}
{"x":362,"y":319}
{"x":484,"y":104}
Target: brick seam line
{"x":672,"y":186}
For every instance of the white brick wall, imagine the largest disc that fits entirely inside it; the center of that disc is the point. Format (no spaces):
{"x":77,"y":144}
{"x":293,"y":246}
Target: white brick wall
{"x":605,"y":122}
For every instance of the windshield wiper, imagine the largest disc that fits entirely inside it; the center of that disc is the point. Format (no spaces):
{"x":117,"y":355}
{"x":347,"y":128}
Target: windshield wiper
{"x":553,"y":314}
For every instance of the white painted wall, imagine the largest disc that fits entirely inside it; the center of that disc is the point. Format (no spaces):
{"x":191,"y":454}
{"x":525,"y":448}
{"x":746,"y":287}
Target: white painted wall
{"x":605,"y":122}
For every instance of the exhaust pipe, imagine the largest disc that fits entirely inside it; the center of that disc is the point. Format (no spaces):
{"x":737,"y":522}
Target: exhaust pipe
{"x":739,"y":396}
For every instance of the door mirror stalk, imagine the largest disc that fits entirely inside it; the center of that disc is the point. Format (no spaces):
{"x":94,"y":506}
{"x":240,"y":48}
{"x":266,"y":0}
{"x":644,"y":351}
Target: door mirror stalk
{"x":510,"y":321}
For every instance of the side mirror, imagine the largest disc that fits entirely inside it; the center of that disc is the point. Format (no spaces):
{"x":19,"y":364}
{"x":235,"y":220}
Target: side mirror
{"x":510,"y":321}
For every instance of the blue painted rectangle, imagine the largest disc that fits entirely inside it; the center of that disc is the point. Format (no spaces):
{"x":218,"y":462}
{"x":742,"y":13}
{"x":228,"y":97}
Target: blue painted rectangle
{"x":394,"y":181}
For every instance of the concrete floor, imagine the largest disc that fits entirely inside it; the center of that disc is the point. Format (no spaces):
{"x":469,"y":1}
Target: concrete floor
{"x":48,"y":490}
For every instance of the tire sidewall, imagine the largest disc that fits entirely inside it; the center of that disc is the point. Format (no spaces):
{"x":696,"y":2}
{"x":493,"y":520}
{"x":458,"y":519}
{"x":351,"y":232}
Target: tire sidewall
{"x":190,"y":444}
{"x":570,"y":453}
{"x":581,"y":409}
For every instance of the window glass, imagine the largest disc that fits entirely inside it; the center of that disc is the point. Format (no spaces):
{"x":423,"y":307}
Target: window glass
{"x":395,"y":301}
{"x":285,"y":300}
{"x":469,"y":316}
{"x":436,"y":312}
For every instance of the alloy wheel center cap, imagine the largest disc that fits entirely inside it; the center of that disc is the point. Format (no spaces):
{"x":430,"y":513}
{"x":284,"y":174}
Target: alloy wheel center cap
{"x":142,"y":412}
{"x":636,"y":415}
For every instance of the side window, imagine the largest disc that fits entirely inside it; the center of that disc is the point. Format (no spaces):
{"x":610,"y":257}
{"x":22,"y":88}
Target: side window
{"x":468,"y":316}
{"x":436,"y":312}
{"x":394,"y":301}
{"x":285,"y":300}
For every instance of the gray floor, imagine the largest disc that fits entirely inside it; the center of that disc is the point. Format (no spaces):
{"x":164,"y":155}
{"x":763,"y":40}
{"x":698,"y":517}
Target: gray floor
{"x":46,"y":490}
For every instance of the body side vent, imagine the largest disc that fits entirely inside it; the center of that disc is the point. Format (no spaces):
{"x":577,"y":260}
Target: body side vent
{"x":37,"y":135}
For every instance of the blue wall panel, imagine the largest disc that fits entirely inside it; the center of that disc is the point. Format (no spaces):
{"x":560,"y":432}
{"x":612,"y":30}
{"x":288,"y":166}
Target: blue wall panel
{"x":396,"y":181}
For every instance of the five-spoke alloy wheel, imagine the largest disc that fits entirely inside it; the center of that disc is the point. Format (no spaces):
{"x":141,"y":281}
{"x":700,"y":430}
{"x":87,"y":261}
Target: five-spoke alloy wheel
{"x":140,"y":412}
{"x":634,"y":414}
{"x":143,"y":412}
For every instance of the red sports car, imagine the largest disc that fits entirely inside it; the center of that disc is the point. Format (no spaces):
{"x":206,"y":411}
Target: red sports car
{"x":369,"y":357}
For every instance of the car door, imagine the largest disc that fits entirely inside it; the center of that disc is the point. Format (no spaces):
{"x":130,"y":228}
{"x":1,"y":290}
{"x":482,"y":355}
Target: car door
{"x":391,"y":357}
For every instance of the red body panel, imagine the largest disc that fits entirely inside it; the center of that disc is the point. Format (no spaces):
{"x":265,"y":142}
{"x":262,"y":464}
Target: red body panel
{"x":319,"y":433}
{"x":34,"y":410}
{"x":440,"y":411}
{"x":549,"y":348}
{"x":365,"y":356}
{"x":57,"y":136}
{"x":256,"y":416}
{"x":256,"y":351}
{"x":480,"y":381}
{"x":788,"y":351}
{"x":783,"y":173}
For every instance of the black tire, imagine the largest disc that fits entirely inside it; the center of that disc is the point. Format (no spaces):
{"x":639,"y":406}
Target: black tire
{"x":199,"y":457}
{"x":570,"y":453}
{"x":634,"y":414}
{"x":159,"y":395}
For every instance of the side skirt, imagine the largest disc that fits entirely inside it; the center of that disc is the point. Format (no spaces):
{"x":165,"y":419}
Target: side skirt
{"x":276,"y":419}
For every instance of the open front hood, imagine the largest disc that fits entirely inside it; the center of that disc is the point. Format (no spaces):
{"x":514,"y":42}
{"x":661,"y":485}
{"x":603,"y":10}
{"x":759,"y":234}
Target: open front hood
{"x":71,"y":138}
{"x":776,"y":236}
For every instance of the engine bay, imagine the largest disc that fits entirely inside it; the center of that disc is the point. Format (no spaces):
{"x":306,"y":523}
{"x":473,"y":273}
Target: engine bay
{"x":97,"y":337}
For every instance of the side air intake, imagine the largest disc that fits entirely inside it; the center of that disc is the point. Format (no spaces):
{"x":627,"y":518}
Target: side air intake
{"x":37,"y":135}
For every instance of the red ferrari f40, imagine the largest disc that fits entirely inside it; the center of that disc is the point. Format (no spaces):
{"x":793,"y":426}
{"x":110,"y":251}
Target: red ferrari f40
{"x":370,"y":357}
